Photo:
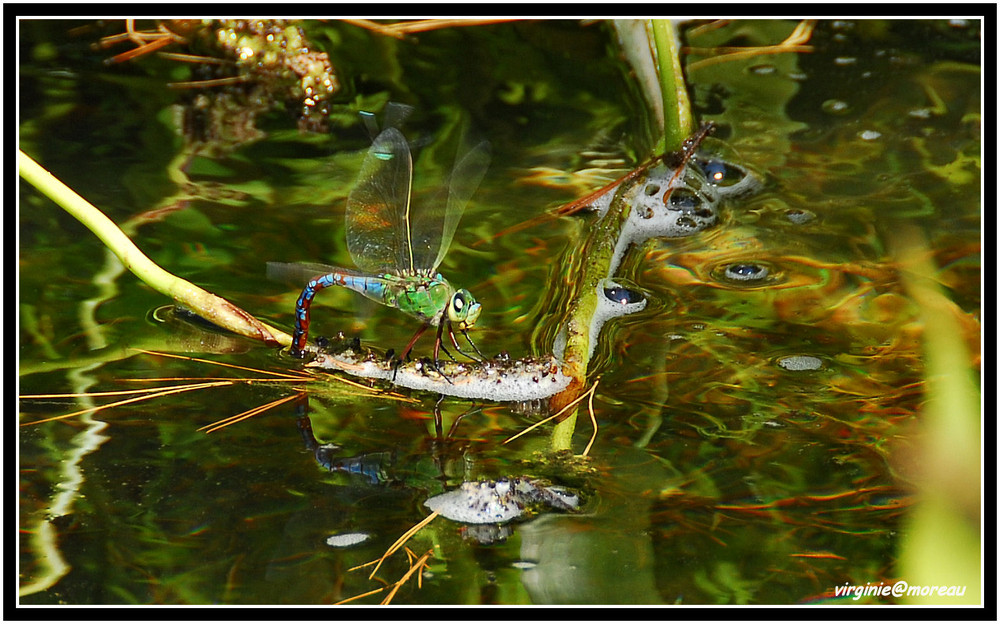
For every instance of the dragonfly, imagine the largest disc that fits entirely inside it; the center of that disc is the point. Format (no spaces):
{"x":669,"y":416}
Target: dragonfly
{"x":397,"y":247}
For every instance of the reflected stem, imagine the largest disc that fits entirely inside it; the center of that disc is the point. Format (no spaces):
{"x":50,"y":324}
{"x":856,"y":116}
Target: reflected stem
{"x":211,"y":307}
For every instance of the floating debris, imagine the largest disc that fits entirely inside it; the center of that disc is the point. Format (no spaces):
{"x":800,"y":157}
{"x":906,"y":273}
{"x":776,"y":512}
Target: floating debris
{"x":799,"y":216}
{"x":499,"y":379}
{"x":343,"y":540}
{"x":665,"y":204}
{"x":800,"y":363}
{"x":494,"y":502}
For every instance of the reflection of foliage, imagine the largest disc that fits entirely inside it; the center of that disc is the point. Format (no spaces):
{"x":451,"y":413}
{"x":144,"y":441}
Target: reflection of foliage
{"x":244,"y":68}
{"x":751,"y":90}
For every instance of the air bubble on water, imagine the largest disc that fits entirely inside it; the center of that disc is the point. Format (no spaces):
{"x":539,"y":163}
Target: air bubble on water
{"x":764,"y":69}
{"x":835,"y":107}
{"x":746,"y":272}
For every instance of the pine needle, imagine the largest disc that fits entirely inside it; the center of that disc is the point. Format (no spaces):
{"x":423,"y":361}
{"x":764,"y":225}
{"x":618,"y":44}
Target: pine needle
{"x":593,"y":419}
{"x":225,"y":422}
{"x":156,"y":394}
{"x":417,"y":566}
{"x":402,"y":540}
{"x":574,"y":402}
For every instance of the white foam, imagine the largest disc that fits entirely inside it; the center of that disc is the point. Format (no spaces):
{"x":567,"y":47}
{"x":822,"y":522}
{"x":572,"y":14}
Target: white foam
{"x":344,"y":540}
{"x":608,"y":309}
{"x":526,"y":379}
{"x":494,"y":502}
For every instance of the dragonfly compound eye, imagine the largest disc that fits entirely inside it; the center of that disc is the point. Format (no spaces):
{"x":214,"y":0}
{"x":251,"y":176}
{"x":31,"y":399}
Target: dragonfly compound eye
{"x":464,"y":309}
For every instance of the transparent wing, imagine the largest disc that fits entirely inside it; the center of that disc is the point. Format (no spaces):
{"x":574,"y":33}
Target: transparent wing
{"x":378,"y":206}
{"x":393,"y":116}
{"x":433,"y":226}
{"x":298,"y":273}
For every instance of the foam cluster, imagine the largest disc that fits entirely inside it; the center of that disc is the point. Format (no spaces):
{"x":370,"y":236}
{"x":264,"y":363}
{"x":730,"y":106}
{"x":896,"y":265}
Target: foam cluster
{"x":500,"y":379}
{"x":503,"y":500}
{"x":667,"y":205}
{"x":613,"y":300}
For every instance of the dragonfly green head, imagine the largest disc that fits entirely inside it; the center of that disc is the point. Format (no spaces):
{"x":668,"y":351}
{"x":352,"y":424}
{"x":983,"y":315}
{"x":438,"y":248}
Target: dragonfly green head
{"x":463,"y":309}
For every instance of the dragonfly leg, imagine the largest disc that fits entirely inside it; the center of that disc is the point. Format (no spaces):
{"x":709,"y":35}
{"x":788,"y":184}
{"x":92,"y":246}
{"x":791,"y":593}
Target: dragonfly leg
{"x":438,"y":425}
{"x":454,"y":341}
{"x":454,"y":425}
{"x":439,"y":422}
{"x":396,"y":362}
{"x":409,"y":347}
{"x":437,"y":351}
{"x":448,"y":353}
{"x":437,"y":343}
{"x":465,"y":333}
{"x":413,"y":341}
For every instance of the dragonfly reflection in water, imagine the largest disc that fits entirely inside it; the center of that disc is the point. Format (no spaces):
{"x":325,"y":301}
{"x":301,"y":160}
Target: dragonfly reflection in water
{"x":398,"y":247}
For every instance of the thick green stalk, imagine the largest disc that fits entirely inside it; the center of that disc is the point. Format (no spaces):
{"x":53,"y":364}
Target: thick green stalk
{"x":205,"y":304}
{"x":597,"y":258}
{"x":598,"y":255}
{"x":678,"y":121}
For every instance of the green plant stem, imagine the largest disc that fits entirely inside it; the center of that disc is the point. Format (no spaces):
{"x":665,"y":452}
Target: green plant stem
{"x":598,"y":257}
{"x":678,"y":120}
{"x":211,"y":307}
{"x":599,"y":252}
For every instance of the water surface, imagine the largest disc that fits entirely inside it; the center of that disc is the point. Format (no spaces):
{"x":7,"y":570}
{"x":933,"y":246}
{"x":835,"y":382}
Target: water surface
{"x":754,"y":419}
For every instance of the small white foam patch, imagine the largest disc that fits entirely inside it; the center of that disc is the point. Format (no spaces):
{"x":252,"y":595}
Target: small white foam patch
{"x":608,"y":309}
{"x":748,"y":185}
{"x":527,"y":379}
{"x":650,"y":217}
{"x":800,"y":363}
{"x":559,"y":344}
{"x":343,"y":540}
{"x":602,"y":202}
{"x":605,"y":310}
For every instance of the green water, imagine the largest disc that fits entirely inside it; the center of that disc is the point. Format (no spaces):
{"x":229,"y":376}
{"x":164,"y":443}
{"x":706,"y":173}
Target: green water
{"x":718,"y":475}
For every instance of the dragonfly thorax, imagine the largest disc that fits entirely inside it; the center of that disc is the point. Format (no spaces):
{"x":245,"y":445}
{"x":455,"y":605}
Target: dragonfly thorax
{"x":425,"y":298}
